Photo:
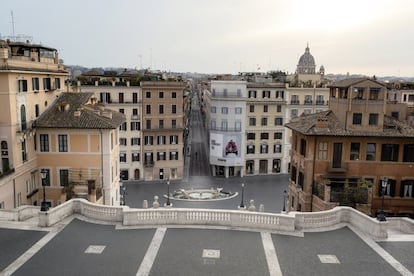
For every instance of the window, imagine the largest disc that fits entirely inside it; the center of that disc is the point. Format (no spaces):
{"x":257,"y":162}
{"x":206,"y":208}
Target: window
{"x":294,"y":113}
{"x":389,"y":152}
{"x":23,"y":123}
{"x":134,"y":97}
{"x":323,"y":151}
{"x":238,"y":110}
{"x":135,"y":126}
{"x":44,"y":142}
{"x":280,"y":94}
{"x":265,"y":108}
{"x":224,"y":125}
{"x":371,"y":152}
{"x":264,"y":136}
{"x":224,"y":110}
{"x":57,"y":83}
{"x":161,"y":124}
{"x":161,"y":109}
{"x":250,"y":149}
{"x":278,"y":108}
{"x":22,"y":85}
{"x":251,"y":108}
{"x":293,"y":174}
{"x":174,"y":109}
{"x":148,"y":109}
{"x":320,"y":100}
{"x":251,"y":136}
{"x":37,"y":110}
{"x":135,"y":141}
{"x":47,"y":84}
{"x":174,"y":95}
{"x":148,"y":124}
{"x":252,"y":121}
{"x":123,"y":127}
{"x":264,"y":148}
{"x":135,"y":157}
{"x":122,"y":157}
{"x":135,"y":113}
{"x":24,"y":151}
{"x":374,"y":93}
{"x":161,"y":156}
{"x":278,"y":121}
{"x":161,"y":139}
{"x":252,"y":94}
{"x":277,"y":135}
{"x":35,"y":84}
{"x":408,"y":154}
{"x":407,"y":188}
{"x":148,"y":158}
{"x":63,"y":142}
{"x":213,"y":124}
{"x":264,"y":121}
{"x":173,"y":139}
{"x":213,"y":109}
{"x":373,"y":119}
{"x":174,"y":155}
{"x":395,"y":114}
{"x":294,"y":99}
{"x":149,"y":140}
{"x":122,"y":141}
{"x":174,"y":123}
{"x":389,"y":189}
{"x":265,"y":94}
{"x":64,"y":177}
{"x":357,"y":118}
{"x":121,"y":110}
{"x":354,"y":152}
{"x":303,"y":147}
{"x":308,"y":99}
{"x":277,"y":148}
{"x":161,"y":95}
{"x":237,"y":125}
{"x":307,"y":111}
{"x":148,"y":94}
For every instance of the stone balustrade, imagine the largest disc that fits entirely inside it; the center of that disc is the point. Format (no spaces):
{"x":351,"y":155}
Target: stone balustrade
{"x":235,"y":219}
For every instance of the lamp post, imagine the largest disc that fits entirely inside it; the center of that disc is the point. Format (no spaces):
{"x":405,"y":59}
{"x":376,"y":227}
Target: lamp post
{"x":284,"y":201}
{"x":168,"y":192}
{"x":381,"y":215}
{"x":43,"y":175}
{"x":242,"y":197}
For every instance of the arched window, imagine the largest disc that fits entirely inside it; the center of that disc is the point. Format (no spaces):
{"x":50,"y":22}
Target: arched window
{"x":23,"y":117}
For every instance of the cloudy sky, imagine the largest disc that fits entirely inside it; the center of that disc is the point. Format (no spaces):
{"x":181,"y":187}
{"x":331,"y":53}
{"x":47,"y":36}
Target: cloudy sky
{"x":372,"y":37}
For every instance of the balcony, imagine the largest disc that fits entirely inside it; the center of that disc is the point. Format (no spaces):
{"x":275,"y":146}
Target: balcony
{"x":320,"y":102}
{"x":149,"y":163}
{"x":294,"y":102}
{"x":308,"y":102}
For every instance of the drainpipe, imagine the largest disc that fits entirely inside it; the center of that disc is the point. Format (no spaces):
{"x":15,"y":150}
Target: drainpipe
{"x":102,"y":178}
{"x":313,"y":170}
{"x":14,"y":193}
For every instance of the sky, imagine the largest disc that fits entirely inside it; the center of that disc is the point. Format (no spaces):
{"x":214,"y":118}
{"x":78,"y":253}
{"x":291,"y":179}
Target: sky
{"x":370,"y":37}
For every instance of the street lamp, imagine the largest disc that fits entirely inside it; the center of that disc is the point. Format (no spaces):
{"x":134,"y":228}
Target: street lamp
{"x":43,"y":174}
{"x":242,"y":197}
{"x":381,"y":215}
{"x":284,"y":201}
{"x":168,"y":192}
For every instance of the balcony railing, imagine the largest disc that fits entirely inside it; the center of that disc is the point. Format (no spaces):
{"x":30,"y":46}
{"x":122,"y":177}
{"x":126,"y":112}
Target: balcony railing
{"x":320,"y":102}
{"x":294,"y":102}
{"x":308,"y":103}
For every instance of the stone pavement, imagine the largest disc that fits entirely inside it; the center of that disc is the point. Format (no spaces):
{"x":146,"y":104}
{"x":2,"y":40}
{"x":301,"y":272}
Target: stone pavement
{"x":80,"y":247}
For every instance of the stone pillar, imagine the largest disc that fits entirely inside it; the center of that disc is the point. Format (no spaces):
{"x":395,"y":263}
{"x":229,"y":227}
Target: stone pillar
{"x":252,"y":207}
{"x":145,"y":204}
{"x":226,"y":172}
{"x":213,"y":169}
{"x":327,"y":194}
{"x":155,"y":204}
{"x":241,"y":171}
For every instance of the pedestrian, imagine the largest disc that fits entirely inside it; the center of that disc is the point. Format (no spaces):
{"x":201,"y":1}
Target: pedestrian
{"x":196,"y":155}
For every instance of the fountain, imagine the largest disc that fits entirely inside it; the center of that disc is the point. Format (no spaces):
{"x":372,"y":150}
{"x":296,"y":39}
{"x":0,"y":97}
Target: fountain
{"x":202,"y":194}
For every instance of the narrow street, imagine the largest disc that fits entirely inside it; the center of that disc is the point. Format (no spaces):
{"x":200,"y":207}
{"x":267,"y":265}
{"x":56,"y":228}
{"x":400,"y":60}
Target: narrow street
{"x":199,"y":156}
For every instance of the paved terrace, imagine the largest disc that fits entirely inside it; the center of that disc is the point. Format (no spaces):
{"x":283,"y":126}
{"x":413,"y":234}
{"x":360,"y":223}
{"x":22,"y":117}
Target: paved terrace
{"x":81,"y":238}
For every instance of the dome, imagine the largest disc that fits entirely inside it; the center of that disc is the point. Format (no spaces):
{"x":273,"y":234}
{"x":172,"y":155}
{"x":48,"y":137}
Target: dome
{"x":306,"y":63}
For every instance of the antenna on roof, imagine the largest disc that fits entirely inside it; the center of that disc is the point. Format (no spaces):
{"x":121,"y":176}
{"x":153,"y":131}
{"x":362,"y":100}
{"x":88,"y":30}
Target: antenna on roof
{"x":12,"y":22}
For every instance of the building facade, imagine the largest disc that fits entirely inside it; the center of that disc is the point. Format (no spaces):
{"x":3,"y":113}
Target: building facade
{"x":75,"y":127}
{"x":353,"y":154}
{"x":163,"y":119}
{"x":31,"y":77}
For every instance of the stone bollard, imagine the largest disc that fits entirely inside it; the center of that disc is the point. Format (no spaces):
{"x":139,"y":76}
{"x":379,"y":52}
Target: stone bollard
{"x":155,"y":204}
{"x":251,"y":208}
{"x":145,"y":204}
{"x":261,"y":208}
